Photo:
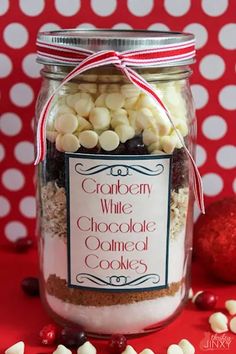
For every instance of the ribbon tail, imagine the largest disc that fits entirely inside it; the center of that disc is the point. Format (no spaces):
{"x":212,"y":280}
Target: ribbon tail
{"x":141,"y":83}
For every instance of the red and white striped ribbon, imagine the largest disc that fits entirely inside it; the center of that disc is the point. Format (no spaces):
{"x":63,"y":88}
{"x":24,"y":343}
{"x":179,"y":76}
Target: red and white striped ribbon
{"x":84,"y":60}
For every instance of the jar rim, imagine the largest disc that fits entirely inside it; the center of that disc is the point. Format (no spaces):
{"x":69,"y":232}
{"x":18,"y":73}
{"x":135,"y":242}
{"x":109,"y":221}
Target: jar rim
{"x":118,"y":40}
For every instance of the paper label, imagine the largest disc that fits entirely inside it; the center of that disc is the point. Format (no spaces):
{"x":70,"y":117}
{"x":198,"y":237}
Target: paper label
{"x":118,"y":221}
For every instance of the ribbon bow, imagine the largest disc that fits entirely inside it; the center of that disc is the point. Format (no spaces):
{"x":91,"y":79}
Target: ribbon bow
{"x":85,"y":59}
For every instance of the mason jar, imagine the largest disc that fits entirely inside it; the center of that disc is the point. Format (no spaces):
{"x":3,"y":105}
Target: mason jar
{"x":114,"y":189}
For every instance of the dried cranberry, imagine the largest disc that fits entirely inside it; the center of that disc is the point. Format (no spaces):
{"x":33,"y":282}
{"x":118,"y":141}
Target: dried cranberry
{"x":205,"y":300}
{"x":117,"y":343}
{"x":30,"y":286}
{"x":23,"y":244}
{"x":48,"y":334}
{"x":72,"y":337}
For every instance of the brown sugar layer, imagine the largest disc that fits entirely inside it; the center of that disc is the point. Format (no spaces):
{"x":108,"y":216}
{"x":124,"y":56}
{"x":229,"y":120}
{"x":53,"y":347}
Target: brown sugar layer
{"x":58,"y":287}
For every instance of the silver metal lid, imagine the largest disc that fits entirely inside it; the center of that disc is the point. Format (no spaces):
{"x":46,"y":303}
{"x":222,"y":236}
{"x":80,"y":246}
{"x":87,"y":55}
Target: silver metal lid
{"x":118,"y":40}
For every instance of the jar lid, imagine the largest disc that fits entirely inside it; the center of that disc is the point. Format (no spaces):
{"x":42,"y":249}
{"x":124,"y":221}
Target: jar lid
{"x":118,"y":40}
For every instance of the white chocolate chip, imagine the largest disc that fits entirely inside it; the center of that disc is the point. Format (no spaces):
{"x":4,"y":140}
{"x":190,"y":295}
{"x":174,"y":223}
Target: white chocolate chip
{"x":90,"y":88}
{"x":112,"y":88}
{"x":219,"y":330}
{"x":231,"y":306}
{"x":72,"y":99}
{"x":196,"y":295}
{"x":130,"y":103}
{"x":147,"y":351}
{"x":150,"y":136}
{"x":232,"y":325}
{"x":145,"y":101}
{"x":129,"y":90}
{"x":83,"y":106}
{"x":58,"y":142}
{"x":162,"y":121}
{"x":118,"y":121}
{"x":87,"y":348}
{"x":61,"y":109}
{"x":100,"y":101}
{"x":100,"y":118}
{"x":190,"y":294}
{"x":154,"y":146}
{"x":66,"y":123}
{"x":102,"y":88}
{"x":114,"y":101}
{"x":218,"y":317}
{"x":70,"y":143}
{"x":83,"y":124}
{"x":61,"y":349}
{"x":17,"y":348}
{"x":174,"y":349}
{"x":125,"y":132}
{"x":181,"y":125}
{"x":129,"y":350}
{"x":218,"y":322}
{"x":176,"y":133}
{"x":132,"y":116}
{"x":168,"y":143}
{"x":109,"y":140}
{"x":88,"y":139}
{"x":145,"y":118}
{"x":186,"y":346}
{"x":51,"y":136}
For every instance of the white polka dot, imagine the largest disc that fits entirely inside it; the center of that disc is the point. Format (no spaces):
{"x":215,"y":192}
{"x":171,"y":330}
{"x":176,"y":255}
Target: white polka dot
{"x":4,"y":206}
{"x":103,"y":8}
{"x":158,"y":27}
{"x":30,"y":66}
{"x":214,"y":8}
{"x":212,"y":67}
{"x":200,"y":95}
{"x":177,"y":8}
{"x":15,"y":230}
{"x":214,"y":127}
{"x":121,"y":25}
{"x":140,"y":8}
{"x":196,"y":212}
{"x":49,"y":27}
{"x":13,"y":179}
{"x":234,"y":185}
{"x":200,"y":155}
{"x":212,"y":184}
{"x":21,"y":95}
{"x":86,"y":25}
{"x":226,"y":156}
{"x":199,"y":32}
{"x":4,"y":6}
{"x":15,"y":35}
{"x":66,"y":9}
{"x":24,"y":152}
{"x":32,"y":8}
{"x":227,"y":36}
{"x":5,"y":65}
{"x":2,"y":153}
{"x":10,"y":124}
{"x":28,"y":207}
{"x":227,"y":97}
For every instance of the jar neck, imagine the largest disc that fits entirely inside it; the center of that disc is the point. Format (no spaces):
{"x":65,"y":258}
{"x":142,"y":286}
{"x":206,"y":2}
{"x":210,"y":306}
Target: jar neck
{"x":111,"y":74}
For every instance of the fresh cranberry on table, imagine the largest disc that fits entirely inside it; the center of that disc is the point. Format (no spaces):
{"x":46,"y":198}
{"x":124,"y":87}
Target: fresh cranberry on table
{"x":30,"y":286}
{"x":72,"y":337}
{"x":205,"y":300}
{"x":117,"y":343}
{"x":48,"y":334}
{"x":23,"y":244}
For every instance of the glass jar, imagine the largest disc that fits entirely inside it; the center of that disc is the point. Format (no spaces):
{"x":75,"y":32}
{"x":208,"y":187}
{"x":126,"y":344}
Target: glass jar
{"x":115,"y":199}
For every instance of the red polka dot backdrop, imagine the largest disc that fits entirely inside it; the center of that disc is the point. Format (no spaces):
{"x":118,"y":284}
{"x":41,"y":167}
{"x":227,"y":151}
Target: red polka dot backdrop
{"x":213,"y":86}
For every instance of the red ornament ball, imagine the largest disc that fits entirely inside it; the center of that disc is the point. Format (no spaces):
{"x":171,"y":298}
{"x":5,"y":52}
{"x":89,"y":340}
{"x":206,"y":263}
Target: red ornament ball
{"x":215,"y":239}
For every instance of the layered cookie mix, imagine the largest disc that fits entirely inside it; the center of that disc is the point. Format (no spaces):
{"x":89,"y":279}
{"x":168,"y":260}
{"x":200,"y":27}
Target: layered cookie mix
{"x":112,"y":119}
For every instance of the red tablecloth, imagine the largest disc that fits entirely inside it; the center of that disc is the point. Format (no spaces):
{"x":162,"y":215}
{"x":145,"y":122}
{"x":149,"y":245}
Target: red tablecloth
{"x":21,"y":317}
